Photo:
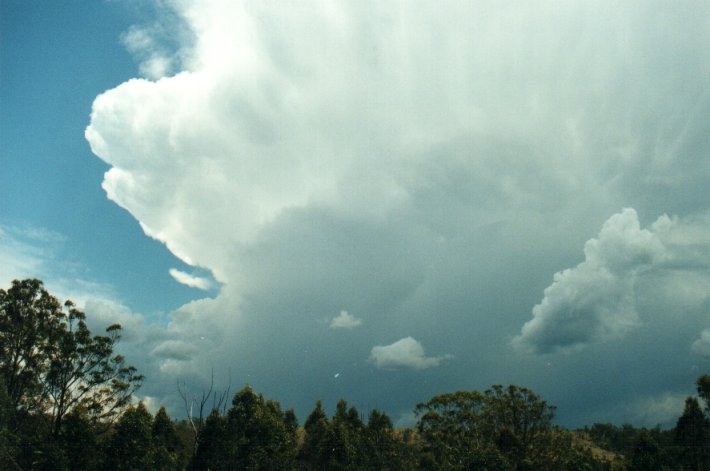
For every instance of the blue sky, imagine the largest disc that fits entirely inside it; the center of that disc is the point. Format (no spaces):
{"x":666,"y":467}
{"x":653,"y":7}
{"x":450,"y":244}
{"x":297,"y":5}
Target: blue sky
{"x":368,"y":200}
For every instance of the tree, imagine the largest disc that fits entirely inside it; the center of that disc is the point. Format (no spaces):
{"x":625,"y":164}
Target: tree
{"x":83,"y":371}
{"x":380,"y":441}
{"x":499,"y":429}
{"x":50,"y":363}
{"x":519,"y":420}
{"x":29,"y":322}
{"x":212,"y":444}
{"x":167,"y":446}
{"x":131,"y":444}
{"x":7,"y":437}
{"x":313,"y":452}
{"x":259,"y":437}
{"x":454,"y":429}
{"x":703,"y":386}
{"x":646,"y":454}
{"x":691,"y":436}
{"x":197,"y":421}
{"x":78,"y":440}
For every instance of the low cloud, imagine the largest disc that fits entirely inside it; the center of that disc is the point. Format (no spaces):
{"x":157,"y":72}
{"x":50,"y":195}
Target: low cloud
{"x":345,"y":321}
{"x":190,"y":280}
{"x":406,"y":353}
{"x":174,"y":350}
{"x":595,"y":300}
{"x":702,"y":345}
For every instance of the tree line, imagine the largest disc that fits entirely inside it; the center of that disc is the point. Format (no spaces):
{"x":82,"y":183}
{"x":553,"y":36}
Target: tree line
{"x":66,"y":403}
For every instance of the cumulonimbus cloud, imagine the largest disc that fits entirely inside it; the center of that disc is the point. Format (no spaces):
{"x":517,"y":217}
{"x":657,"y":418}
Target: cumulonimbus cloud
{"x":387,"y":157}
{"x":406,"y":353}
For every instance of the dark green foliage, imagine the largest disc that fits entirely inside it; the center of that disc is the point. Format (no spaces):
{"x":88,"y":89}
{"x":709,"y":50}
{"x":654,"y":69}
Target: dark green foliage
{"x":380,"y":443}
{"x":78,"y":439}
{"x":130,"y":446}
{"x":254,"y":435}
{"x":8,"y":439}
{"x":703,"y":386}
{"x":692,"y":433}
{"x":35,"y":447}
{"x":212,"y":444}
{"x":314,"y":453}
{"x":345,"y":442}
{"x":258,"y":435}
{"x":646,"y":454}
{"x":167,"y":451}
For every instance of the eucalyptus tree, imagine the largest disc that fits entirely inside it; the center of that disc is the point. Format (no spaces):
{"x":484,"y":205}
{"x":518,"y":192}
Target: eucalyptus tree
{"x":50,"y":363}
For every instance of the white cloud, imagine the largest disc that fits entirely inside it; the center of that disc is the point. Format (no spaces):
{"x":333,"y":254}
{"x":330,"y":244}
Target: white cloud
{"x":595,"y":300}
{"x":345,"y":320}
{"x":20,"y":257}
{"x":190,"y":280}
{"x":702,"y":345}
{"x":406,"y":353}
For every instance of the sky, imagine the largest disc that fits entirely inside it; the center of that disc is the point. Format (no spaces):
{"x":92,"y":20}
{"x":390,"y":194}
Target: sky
{"x":378,"y":201}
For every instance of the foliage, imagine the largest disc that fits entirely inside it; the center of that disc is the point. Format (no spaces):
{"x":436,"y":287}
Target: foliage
{"x":79,"y":441}
{"x":131,"y":443}
{"x":212,"y":444}
{"x":502,"y":428}
{"x":254,"y":435}
{"x":691,"y":436}
{"x":703,"y":387}
{"x":50,"y":363}
{"x":167,"y":448}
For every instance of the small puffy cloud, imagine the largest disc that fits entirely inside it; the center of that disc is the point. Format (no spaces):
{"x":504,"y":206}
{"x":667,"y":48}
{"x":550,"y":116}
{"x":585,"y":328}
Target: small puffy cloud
{"x":190,"y":280}
{"x":702,"y":345}
{"x":595,"y":300}
{"x":406,"y":353}
{"x":345,"y":320}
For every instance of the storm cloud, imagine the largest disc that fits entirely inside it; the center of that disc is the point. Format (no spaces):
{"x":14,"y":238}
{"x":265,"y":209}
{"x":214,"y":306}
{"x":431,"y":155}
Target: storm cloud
{"x":429,"y":167}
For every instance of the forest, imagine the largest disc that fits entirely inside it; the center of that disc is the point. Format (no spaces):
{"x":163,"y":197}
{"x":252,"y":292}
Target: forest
{"x":68,"y":402}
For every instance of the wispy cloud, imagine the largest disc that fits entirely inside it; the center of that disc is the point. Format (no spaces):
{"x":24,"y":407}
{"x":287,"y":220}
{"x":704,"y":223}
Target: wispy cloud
{"x":190,"y":280}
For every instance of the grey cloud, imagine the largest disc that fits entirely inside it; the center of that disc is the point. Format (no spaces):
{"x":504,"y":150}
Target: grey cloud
{"x":174,"y":350}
